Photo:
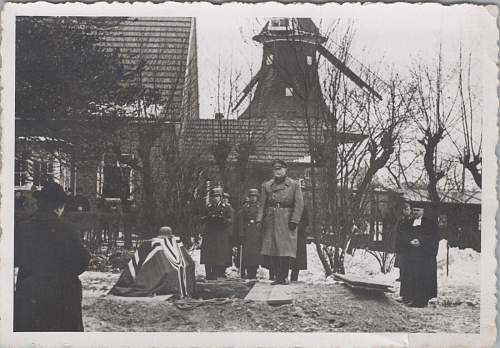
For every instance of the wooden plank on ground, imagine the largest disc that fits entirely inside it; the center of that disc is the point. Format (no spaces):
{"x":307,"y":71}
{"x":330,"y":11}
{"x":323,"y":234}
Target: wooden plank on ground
{"x":367,"y":288}
{"x":280,"y":294}
{"x":259,"y":292}
{"x":159,"y":298}
{"x":361,"y":282}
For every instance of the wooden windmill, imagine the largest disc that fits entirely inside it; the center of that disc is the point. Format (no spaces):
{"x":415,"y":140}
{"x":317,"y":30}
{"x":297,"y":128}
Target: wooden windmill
{"x":287,"y":84}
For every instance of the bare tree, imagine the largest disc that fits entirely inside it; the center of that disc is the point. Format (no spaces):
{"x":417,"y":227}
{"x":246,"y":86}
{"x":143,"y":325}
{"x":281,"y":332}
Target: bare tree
{"x":346,"y":167}
{"x":471,"y":155}
{"x":435,"y":115}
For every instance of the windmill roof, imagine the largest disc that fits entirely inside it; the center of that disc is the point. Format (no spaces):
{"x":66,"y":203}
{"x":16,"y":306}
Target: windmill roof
{"x":307,"y":25}
{"x":284,"y":139}
{"x":162,"y":44}
{"x":288,"y":27}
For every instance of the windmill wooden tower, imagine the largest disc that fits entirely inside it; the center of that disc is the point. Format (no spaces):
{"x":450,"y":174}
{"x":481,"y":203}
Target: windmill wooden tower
{"x":287,"y":84}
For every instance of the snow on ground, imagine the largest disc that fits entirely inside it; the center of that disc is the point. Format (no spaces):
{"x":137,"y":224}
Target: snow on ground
{"x":461,"y":285}
{"x":323,"y":304}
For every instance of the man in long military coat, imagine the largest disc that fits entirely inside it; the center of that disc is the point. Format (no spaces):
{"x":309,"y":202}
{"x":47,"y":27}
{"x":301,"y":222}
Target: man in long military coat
{"x":215,"y":252}
{"x":50,"y":256}
{"x":250,"y":235}
{"x":280,"y":211}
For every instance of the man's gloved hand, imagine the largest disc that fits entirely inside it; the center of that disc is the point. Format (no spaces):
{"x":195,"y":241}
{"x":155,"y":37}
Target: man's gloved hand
{"x":292,"y":226}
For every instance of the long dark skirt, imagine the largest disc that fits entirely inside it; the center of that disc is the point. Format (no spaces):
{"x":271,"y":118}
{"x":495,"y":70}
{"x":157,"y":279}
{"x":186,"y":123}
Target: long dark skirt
{"x":404,"y":276}
{"x":423,"y":279}
{"x":48,"y":303}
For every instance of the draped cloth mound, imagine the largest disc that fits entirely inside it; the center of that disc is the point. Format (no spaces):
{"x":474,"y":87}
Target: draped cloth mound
{"x":160,"y":266}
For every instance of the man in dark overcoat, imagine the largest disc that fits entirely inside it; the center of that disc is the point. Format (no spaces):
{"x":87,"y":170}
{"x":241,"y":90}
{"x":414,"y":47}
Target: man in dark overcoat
{"x":50,"y":256}
{"x":215,"y":254}
{"x":280,"y":210}
{"x":250,"y":235}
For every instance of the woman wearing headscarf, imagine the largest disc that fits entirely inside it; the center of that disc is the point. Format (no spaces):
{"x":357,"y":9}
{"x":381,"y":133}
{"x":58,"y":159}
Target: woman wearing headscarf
{"x":50,"y":256}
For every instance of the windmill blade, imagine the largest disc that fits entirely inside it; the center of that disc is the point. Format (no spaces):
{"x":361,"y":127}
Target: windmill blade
{"x":247,"y":89}
{"x":346,"y":71}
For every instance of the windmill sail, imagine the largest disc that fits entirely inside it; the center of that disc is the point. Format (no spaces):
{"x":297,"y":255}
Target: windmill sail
{"x":346,"y":71}
{"x":247,"y":89}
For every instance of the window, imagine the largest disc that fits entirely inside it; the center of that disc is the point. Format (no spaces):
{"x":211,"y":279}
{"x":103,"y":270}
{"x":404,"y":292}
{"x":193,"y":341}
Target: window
{"x":269,"y":59}
{"x":115,"y":178}
{"x":279,"y":22}
{"x":289,"y":92}
{"x":42,"y":171}
{"x":443,"y":221}
{"x":309,"y":60}
{"x":302,"y":183}
{"x":378,"y":230}
{"x":307,"y":174}
{"x":20,"y":173}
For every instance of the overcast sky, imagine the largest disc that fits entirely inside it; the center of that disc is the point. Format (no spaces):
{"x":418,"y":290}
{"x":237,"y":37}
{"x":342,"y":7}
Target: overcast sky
{"x":395,"y":35}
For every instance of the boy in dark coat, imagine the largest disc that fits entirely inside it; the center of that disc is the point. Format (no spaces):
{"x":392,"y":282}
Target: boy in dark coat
{"x":300,"y":261}
{"x":250,"y":236}
{"x":50,"y":256}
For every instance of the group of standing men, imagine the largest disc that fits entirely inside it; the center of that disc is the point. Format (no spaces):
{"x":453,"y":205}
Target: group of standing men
{"x":417,"y":246}
{"x":270,"y":228}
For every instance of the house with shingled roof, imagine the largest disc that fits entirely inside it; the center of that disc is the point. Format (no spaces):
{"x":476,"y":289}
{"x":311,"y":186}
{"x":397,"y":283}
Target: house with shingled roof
{"x":165,"y":51}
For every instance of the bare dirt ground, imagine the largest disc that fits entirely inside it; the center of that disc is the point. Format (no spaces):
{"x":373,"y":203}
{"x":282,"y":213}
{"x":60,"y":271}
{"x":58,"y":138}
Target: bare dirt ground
{"x":326,"y":307}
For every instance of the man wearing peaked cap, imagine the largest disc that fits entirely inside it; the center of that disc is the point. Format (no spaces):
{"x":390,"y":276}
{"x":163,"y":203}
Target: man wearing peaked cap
{"x":250,"y":236}
{"x":217,"y":191}
{"x":253,"y":192}
{"x":215,"y":247}
{"x":280,"y":211}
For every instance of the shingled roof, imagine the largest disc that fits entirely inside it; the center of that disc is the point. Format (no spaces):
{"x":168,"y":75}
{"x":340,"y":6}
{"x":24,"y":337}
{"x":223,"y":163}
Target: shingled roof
{"x":273,"y":138}
{"x":166,"y":46}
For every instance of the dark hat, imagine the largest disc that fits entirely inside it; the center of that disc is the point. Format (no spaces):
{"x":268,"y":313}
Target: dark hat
{"x":278,"y":163}
{"x":253,"y":192}
{"x":227,"y":195}
{"x":52,"y":194}
{"x":217,"y":191}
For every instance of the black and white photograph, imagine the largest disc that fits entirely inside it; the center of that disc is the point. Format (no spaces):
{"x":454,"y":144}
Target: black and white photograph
{"x":283,"y":172}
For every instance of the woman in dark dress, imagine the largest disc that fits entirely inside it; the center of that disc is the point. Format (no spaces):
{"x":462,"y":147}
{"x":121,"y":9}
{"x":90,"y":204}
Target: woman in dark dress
{"x":424,"y":266}
{"x":50,"y":256}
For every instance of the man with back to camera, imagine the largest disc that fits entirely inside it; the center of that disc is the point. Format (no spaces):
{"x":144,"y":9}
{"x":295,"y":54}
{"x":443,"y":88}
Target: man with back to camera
{"x":280,"y":211}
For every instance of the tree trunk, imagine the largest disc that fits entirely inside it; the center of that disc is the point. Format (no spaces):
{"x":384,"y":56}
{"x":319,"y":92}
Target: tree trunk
{"x":148,"y":211}
{"x":314,"y":220}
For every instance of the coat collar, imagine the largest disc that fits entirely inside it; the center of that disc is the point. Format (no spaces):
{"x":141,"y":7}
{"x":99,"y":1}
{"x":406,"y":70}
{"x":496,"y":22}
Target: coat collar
{"x":287,"y":182}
